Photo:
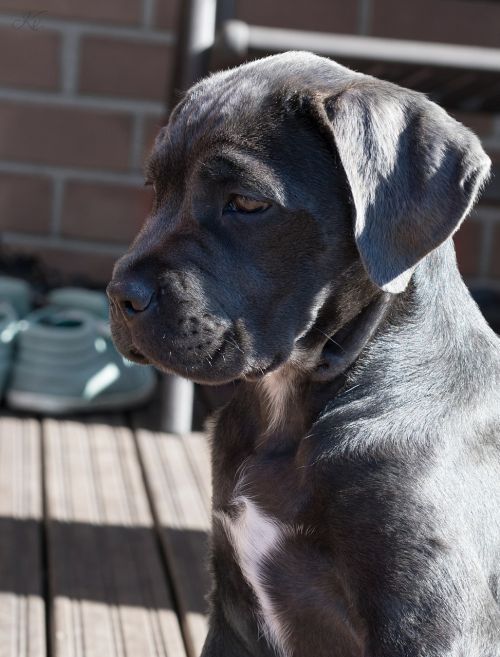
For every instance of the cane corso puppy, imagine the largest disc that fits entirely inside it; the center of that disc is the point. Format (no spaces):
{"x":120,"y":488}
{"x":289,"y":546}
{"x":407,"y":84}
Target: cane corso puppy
{"x":300,"y":246}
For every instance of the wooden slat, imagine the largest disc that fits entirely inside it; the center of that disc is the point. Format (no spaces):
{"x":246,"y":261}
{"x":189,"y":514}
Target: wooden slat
{"x":110,"y":596}
{"x":198,"y":453}
{"x":178,"y":477}
{"x":22,"y":607}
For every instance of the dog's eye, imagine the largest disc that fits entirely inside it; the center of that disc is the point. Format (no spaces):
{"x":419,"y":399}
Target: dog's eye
{"x":245,"y":205}
{"x":150,"y":183}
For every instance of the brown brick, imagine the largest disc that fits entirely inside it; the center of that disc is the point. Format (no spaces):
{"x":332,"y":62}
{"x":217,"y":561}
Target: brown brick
{"x":25,"y":203}
{"x":167,"y":14}
{"x":495,"y":253}
{"x":449,"y":21}
{"x":114,"y":67}
{"x":468,"y":247}
{"x":73,"y":266}
{"x":479,"y":122}
{"x":29,"y":59}
{"x":116,"y":11}
{"x":104,"y":212}
{"x":64,"y":136}
{"x":321,"y":15}
{"x":94,"y":267}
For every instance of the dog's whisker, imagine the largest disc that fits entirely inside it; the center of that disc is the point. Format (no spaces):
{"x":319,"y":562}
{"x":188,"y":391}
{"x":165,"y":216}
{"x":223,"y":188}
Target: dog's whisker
{"x":329,"y":338}
{"x":344,"y":392}
{"x":234,"y":343}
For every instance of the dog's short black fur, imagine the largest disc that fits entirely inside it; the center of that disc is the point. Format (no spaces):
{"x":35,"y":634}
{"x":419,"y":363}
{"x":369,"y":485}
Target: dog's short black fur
{"x":300,"y":245}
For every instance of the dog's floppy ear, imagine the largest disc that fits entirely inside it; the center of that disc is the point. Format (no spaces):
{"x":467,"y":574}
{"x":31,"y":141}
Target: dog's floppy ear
{"x":414,"y":173}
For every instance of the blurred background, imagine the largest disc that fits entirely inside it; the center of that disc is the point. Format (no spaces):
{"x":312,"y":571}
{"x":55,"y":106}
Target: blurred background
{"x":85,"y":85}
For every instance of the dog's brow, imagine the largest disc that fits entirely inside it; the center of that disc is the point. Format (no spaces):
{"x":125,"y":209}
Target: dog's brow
{"x":246,"y":170}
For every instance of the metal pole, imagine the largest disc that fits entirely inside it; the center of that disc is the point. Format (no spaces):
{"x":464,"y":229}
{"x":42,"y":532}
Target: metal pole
{"x":241,"y":40}
{"x":196,"y":36}
{"x":177,"y":404}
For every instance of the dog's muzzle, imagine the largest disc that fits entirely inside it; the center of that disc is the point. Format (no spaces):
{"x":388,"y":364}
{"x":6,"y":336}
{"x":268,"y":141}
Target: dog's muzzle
{"x":159,"y":325}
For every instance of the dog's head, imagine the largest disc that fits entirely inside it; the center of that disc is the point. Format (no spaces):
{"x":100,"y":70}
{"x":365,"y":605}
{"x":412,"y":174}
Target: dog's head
{"x":278,"y":186}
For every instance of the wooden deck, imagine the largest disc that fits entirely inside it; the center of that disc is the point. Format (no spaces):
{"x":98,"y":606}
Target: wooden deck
{"x":103,"y":539}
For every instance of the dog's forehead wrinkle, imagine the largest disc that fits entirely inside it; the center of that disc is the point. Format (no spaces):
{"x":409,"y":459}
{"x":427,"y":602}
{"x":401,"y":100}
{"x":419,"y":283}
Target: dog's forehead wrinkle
{"x":220,"y":158}
{"x":211,"y":111}
{"x":246,"y":168}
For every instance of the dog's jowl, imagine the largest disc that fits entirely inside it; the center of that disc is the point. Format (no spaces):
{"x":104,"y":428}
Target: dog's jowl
{"x":300,"y":247}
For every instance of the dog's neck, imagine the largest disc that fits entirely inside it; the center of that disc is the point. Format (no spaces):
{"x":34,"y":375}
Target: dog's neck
{"x":291,"y":395}
{"x":435,"y":320}
{"x":325,"y":361}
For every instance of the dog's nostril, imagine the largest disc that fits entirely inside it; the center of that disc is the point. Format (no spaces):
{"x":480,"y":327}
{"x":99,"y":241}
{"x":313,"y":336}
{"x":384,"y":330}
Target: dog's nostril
{"x":137,"y":305}
{"x":130,"y":308}
{"x":132,"y":297}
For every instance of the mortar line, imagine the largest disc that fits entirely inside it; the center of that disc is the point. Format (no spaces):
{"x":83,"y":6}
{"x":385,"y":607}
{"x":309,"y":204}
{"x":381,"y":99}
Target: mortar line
{"x":364,"y":16}
{"x":139,"y":32}
{"x":81,"y":246}
{"x":70,"y":62}
{"x":57,"y":206}
{"x":148,"y":13}
{"x":59,"y":99}
{"x":137,"y":143}
{"x":71,"y":173}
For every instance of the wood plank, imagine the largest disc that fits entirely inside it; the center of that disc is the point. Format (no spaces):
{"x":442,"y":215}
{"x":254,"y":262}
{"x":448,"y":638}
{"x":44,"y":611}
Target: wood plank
{"x":22,"y":607}
{"x":198,"y":453}
{"x":179,"y":482}
{"x":110,"y":595}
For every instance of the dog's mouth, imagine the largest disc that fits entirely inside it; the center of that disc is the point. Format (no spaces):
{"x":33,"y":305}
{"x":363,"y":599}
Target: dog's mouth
{"x":227,"y":361}
{"x":223,"y":363}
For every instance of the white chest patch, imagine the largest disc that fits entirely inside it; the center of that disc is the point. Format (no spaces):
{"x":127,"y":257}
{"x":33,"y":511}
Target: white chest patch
{"x":278,"y":389}
{"x":256,"y":539}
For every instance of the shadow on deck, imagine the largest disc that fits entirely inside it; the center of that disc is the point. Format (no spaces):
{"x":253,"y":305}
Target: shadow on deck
{"x":103,"y":539}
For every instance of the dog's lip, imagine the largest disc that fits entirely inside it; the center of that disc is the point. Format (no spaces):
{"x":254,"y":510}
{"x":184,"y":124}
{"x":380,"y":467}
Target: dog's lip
{"x":174,"y":361}
{"x":137,"y":356}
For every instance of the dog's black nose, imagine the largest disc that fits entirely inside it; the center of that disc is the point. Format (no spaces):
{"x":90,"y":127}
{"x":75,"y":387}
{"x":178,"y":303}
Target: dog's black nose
{"x":132,"y":296}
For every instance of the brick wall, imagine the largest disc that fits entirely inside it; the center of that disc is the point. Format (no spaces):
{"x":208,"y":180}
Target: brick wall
{"x":478,"y":240}
{"x":82,"y":88}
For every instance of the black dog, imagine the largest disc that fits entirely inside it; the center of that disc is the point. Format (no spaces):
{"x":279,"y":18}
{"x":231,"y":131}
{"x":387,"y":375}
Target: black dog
{"x":300,"y":244}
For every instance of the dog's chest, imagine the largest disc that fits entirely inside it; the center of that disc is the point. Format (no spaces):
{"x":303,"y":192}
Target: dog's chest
{"x":262,"y":521}
{"x":270,"y":547}
{"x":257,"y":540}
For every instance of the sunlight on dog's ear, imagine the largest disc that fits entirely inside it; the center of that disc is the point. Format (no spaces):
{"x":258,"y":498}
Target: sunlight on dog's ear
{"x":414,"y":173}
